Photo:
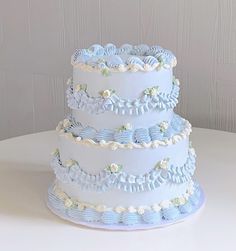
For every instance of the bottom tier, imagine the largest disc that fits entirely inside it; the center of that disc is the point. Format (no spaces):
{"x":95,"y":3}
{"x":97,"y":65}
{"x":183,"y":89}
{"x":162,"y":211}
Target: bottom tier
{"x":124,"y":218}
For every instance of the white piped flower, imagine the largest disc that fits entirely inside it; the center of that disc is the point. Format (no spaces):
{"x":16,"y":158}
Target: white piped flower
{"x":131,"y":209}
{"x":163,"y":164}
{"x":66,"y":123}
{"x":153,"y":91}
{"x":125,"y":127}
{"x":164,"y":126}
{"x":165,"y":204}
{"x":179,"y":201}
{"x":176,"y":82}
{"x":119,"y":209}
{"x":68,"y":202}
{"x":114,"y":168}
{"x":80,"y":206}
{"x":128,"y":126}
{"x":70,"y":162}
{"x":78,"y":88}
{"x":156,"y":207}
{"x":100,"y":208}
{"x":141,"y":210}
{"x":78,"y":139}
{"x":182,"y":200}
{"x":55,"y":152}
{"x":106,"y":94}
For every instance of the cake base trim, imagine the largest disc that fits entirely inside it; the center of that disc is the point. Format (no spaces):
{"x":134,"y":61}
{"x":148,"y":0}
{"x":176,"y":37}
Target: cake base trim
{"x":165,"y":218}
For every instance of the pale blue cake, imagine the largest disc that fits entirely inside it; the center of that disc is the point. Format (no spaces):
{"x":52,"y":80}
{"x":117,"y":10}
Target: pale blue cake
{"x":124,"y":159}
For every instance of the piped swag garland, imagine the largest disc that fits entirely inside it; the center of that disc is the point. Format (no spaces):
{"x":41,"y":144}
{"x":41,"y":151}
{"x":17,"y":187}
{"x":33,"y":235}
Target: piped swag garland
{"x":113,"y":176}
{"x":151,"y":99}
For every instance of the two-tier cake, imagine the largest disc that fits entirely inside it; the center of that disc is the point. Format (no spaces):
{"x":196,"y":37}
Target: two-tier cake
{"x":124,"y":159}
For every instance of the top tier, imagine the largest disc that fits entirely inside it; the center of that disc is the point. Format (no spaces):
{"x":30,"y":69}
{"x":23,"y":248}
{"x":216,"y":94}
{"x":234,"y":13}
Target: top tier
{"x":126,"y":58}
{"x":130,"y":84}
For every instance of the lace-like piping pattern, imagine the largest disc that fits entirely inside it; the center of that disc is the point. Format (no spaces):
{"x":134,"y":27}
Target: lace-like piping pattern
{"x":106,"y":179}
{"x":80,"y":100}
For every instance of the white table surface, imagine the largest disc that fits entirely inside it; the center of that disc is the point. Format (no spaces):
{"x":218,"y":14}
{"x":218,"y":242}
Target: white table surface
{"x":27,"y":224}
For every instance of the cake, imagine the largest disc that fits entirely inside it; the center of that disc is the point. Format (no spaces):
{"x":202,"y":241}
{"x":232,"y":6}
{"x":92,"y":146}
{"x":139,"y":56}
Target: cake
{"x":124,"y":159}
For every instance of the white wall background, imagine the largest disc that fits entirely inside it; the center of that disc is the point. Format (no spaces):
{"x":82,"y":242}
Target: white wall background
{"x":37,"y":38}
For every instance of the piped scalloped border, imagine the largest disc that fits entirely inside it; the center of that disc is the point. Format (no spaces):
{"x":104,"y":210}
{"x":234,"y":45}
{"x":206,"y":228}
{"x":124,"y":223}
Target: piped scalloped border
{"x":80,"y":100}
{"x":70,"y":202}
{"x":114,"y":145}
{"x":114,"y":177}
{"x":126,"y":58}
{"x":121,"y":218}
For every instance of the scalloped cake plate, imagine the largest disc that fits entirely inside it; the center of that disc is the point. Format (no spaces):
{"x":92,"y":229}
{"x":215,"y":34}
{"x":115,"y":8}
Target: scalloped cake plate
{"x":187,"y":216}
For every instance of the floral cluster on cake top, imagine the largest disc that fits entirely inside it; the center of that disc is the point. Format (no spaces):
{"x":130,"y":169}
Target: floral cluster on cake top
{"x":125,"y":58}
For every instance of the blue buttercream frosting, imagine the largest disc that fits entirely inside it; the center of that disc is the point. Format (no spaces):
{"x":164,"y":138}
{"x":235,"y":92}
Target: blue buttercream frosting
{"x":169,"y":132}
{"x":137,"y":55}
{"x":125,"y":49}
{"x":152,"y":217}
{"x":142,"y":135}
{"x":56,"y":202}
{"x":110,"y":217}
{"x":97,"y":50}
{"x":150,"y":60}
{"x":170,"y":213}
{"x":105,"y":134}
{"x":133,"y":60}
{"x":194,"y":199}
{"x":114,"y":61}
{"x":124,"y":136}
{"x":155,"y":133}
{"x":130,"y":218}
{"x":109,"y":49}
{"x":75,"y":213}
{"x":87,"y":133}
{"x":139,"y":50}
{"x":186,"y":208}
{"x":177,"y":123}
{"x":90,"y":215}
